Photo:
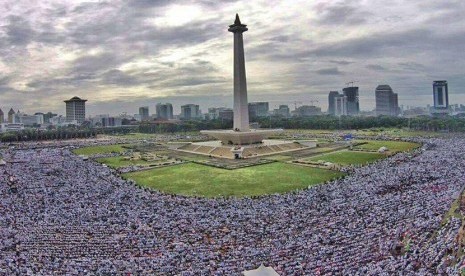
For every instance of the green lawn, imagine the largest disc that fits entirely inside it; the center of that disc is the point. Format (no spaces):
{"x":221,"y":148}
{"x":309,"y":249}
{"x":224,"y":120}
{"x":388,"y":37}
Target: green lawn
{"x":101,"y":149}
{"x":200,"y":180}
{"x":119,"y":162}
{"x":138,"y":135}
{"x":348,"y":157}
{"x":391,"y":132}
{"x":393,"y":146}
{"x":278,"y":157}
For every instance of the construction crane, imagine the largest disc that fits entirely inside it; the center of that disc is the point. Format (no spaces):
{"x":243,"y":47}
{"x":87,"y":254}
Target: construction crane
{"x":351,"y":83}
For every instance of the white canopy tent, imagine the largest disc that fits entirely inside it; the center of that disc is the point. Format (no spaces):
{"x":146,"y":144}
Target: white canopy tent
{"x":261,"y":271}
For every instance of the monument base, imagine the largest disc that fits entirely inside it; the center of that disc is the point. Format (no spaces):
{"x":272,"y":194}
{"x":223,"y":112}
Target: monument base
{"x":231,"y":137}
{"x":264,"y":148}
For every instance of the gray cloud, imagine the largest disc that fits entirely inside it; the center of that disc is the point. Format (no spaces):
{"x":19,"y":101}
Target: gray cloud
{"x":329,"y":71}
{"x":19,"y":31}
{"x":376,"y":67}
{"x":347,"y":13}
{"x":341,"y":62}
{"x":59,"y":49}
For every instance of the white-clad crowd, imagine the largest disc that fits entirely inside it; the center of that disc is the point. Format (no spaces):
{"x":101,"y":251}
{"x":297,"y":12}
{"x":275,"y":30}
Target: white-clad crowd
{"x":62,"y":215}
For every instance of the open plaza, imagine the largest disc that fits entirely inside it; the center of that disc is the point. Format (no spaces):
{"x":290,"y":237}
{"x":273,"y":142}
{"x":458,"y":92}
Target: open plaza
{"x":163,"y":167}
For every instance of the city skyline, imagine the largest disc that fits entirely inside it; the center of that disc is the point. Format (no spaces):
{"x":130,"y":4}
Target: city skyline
{"x":125,"y":54}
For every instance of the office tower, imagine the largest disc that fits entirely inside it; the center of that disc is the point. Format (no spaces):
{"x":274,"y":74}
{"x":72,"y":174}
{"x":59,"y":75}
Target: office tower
{"x":190,"y":111}
{"x":144,"y":113}
{"x":306,"y":111}
{"x":331,"y":96}
{"x":29,"y":120}
{"x":2,"y":117}
{"x":353,"y":107}
{"x":164,"y":111}
{"x":49,"y":115}
{"x":440,"y":95}
{"x":222,"y":113}
{"x":386,"y":101}
{"x":76,"y":110}
{"x":11,"y":116}
{"x":226,"y":114}
{"x":340,"y":105}
{"x":258,"y":109}
{"x":283,"y":110}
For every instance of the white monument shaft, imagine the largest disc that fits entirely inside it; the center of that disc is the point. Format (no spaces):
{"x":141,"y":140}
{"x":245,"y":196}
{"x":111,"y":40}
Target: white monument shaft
{"x":241,"y":108}
{"x":241,"y":134}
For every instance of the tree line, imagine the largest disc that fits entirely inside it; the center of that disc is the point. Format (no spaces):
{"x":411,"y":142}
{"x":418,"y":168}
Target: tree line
{"x":425,"y":123}
{"x":449,"y":124}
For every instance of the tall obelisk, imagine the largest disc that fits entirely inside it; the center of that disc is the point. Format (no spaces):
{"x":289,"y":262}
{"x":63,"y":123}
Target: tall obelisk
{"x":241,"y":108}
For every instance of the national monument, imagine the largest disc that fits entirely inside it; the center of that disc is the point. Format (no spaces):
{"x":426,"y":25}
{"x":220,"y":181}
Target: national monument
{"x":241,"y":141}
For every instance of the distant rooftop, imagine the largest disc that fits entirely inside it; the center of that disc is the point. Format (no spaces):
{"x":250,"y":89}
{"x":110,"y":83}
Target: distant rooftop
{"x":383,"y":87}
{"x":75,"y":99}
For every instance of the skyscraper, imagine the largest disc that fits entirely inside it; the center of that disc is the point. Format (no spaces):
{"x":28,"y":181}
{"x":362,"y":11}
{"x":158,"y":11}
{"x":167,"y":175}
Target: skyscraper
{"x":283,"y":110}
{"x":440,"y":95}
{"x":353,"y":107}
{"x":386,"y":101}
{"x":340,"y":105}
{"x":190,"y":111}
{"x":258,"y":109}
{"x":331,"y":96}
{"x":11,"y":115}
{"x":144,"y":113}
{"x":164,"y":111}
{"x":2,"y":117}
{"x":76,"y":110}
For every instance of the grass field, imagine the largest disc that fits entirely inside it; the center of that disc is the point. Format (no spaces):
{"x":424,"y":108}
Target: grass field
{"x":278,"y":157}
{"x":348,"y":157}
{"x":100,"y":149}
{"x":138,"y":135}
{"x":393,"y":146}
{"x":199,"y":180}
{"x":119,"y":162}
{"x":391,"y":132}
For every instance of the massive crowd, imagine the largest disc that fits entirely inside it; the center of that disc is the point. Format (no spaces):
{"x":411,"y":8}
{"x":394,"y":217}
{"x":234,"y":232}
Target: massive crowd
{"x":60,"y":214}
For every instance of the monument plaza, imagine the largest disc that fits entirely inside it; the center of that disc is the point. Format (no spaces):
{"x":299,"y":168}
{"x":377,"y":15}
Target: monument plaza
{"x":241,"y":141}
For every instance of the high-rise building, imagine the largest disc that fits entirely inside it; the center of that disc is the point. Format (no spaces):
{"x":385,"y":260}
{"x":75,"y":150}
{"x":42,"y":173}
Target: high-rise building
{"x":2,"y":117}
{"x":144,"y":113}
{"x":331,"y":96}
{"x":340,"y":105}
{"x":283,"y":111}
{"x":258,"y":109}
{"x":76,"y":110}
{"x":307,"y":110}
{"x":353,"y":107}
{"x":29,"y":120}
{"x":164,"y":111}
{"x":222,"y":113}
{"x":11,"y":116}
{"x":190,"y":111}
{"x":386,"y":101}
{"x":46,"y":116}
{"x":226,"y":114}
{"x":440,"y":95}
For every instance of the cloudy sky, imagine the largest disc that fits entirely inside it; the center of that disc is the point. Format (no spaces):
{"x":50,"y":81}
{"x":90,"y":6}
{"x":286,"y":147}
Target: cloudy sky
{"x":124,"y":54}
